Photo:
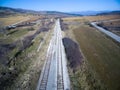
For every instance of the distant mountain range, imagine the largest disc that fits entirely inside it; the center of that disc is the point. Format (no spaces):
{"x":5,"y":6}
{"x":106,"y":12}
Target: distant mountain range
{"x":11,"y":11}
{"x":109,"y":13}
{"x":87,"y":13}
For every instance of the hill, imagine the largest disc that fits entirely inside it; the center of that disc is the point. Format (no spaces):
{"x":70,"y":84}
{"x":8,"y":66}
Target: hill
{"x":11,"y":11}
{"x":88,"y":13}
{"x":110,"y":13}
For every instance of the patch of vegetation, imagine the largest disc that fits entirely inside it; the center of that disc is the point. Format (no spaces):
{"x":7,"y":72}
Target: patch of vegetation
{"x":100,"y":67}
{"x":8,"y":20}
{"x":112,"y":26}
{"x":102,"y":54}
{"x":18,"y":64}
{"x":102,"y":17}
{"x":18,"y":33}
{"x":85,"y":79}
{"x":21,"y":57}
{"x":73,"y":54}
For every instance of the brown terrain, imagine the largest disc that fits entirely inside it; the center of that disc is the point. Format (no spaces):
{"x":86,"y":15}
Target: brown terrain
{"x":93,"y":58}
{"x":113,"y":26}
{"x":98,"y":59}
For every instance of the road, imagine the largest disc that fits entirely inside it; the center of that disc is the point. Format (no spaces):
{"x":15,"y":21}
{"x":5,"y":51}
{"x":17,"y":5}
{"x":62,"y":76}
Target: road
{"x":55,"y":66}
{"x":110,"y":34}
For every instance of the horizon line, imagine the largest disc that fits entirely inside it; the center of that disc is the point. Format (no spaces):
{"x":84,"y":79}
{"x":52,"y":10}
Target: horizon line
{"x":60,"y":10}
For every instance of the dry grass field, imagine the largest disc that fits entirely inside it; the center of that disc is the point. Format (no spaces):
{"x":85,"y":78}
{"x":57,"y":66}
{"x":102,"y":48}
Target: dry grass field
{"x":93,"y":18}
{"x":79,"y":19}
{"x":12,"y":19}
{"x":102,"y":55}
{"x":102,"y":17}
{"x":113,"y":26}
{"x":5,"y":21}
{"x":20,"y":63}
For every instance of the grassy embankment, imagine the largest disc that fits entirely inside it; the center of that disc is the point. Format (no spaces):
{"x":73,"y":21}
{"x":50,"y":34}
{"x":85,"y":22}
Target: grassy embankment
{"x":113,"y":26}
{"x":102,"y":53}
{"x":102,"y":56}
{"x":25,"y":66}
{"x":33,"y":63}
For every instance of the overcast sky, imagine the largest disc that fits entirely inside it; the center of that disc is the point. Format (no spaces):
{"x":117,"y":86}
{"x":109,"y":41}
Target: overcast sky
{"x":63,"y":5}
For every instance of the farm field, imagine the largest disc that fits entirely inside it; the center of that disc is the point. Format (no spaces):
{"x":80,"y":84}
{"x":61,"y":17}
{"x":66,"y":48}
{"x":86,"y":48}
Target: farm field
{"x":8,"y":20}
{"x":113,"y":26}
{"x":11,"y":20}
{"x":102,"y":17}
{"x":100,"y":52}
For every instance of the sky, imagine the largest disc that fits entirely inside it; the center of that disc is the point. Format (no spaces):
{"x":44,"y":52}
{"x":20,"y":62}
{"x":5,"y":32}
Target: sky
{"x":63,"y":5}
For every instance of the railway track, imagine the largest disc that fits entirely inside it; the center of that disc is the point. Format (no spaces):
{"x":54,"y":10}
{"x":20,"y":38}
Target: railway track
{"x":52,"y":77}
{"x":60,"y":82}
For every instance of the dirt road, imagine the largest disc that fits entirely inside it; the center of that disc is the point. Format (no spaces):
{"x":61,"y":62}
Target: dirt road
{"x":110,"y":34}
